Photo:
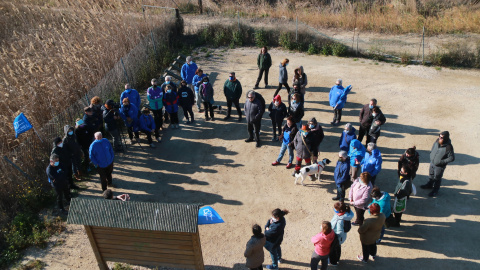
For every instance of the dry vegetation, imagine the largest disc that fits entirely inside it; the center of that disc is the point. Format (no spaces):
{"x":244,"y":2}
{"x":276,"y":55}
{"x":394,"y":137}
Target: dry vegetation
{"x":386,"y":16}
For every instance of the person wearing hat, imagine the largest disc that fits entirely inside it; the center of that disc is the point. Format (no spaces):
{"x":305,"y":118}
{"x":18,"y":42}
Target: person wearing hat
{"x":369,"y":233}
{"x":132,"y":95}
{"x":304,"y":147}
{"x":65,"y":159}
{"x":440,"y":155}
{"x":110,"y":117}
{"x":102,"y":156}
{"x":206,"y":91}
{"x":278,"y":112}
{"x":147,"y":125}
{"x":85,"y":138}
{"x":155,"y":99}
{"x":129,"y":114}
{"x":233,"y":91}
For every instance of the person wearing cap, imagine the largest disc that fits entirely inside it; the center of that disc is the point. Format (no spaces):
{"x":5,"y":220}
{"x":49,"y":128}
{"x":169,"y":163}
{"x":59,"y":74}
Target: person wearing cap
{"x":155,"y":99}
{"x":288,"y":135}
{"x":440,"y":156}
{"x":318,"y":135}
{"x":110,"y":117}
{"x":102,"y":156}
{"x":337,"y":99}
{"x":264,"y":62}
{"x":132,"y":95}
{"x":296,"y":110}
{"x":254,"y":108}
{"x":188,"y":70}
{"x":85,"y":138}
{"x":372,"y":163}
{"x":233,"y":91}
{"x":57,"y":177}
{"x":197,"y":82}
{"x":346,"y":137}
{"x":278,"y":112}
{"x":147,"y":125}
{"x":90,"y":119}
{"x":369,"y":232}
{"x":170,"y":102}
{"x":129,"y":114}
{"x":304,"y":147}
{"x":186,"y":99}
{"x":206,"y":91}
{"x":65,"y":157}
{"x":366,"y":118}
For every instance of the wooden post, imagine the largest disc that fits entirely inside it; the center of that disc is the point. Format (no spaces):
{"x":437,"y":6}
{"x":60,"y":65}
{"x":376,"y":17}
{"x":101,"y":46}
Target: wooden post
{"x":200,"y":8}
{"x":101,"y":263}
{"x":197,"y":249}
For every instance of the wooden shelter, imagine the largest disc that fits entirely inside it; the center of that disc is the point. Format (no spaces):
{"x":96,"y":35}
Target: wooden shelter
{"x":140,"y":233}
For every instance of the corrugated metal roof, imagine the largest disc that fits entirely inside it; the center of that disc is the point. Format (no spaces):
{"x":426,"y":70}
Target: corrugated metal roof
{"x":168,"y":217}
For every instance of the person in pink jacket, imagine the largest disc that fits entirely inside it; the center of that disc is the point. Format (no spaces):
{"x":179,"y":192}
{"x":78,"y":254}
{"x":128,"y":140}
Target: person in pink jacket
{"x":360,"y":196}
{"x":322,"y":243}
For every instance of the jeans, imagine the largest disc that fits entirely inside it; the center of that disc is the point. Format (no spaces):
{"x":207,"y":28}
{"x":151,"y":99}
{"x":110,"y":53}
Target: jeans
{"x":260,"y":73}
{"x":341,"y":190}
{"x":299,"y":125}
{"x":198,"y":100}
{"x":187,"y":109}
{"x":158,"y":117}
{"x":316,"y":259}
{"x":237,"y":106}
{"x":105,"y":176}
{"x":282,"y":152}
{"x":276,"y":125}
{"x":435,"y":175}
{"x":360,"y":215}
{"x":276,"y":254}
{"x":369,"y":250}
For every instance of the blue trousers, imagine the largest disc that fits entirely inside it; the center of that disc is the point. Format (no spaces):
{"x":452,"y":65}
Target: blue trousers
{"x":276,"y":254}
{"x":282,"y":152}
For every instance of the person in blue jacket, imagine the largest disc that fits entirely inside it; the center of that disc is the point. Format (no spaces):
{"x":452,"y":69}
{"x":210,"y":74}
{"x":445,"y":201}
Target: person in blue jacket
{"x":356,"y":154}
{"x":101,"y":155}
{"x":197,"y":82}
{"x":155,"y":99}
{"x":132,"y":95}
{"x":338,"y":98}
{"x":382,"y":198}
{"x":129,"y":114}
{"x":147,"y":125}
{"x":274,"y":231}
{"x":188,"y":70}
{"x":372,"y":162}
{"x":170,"y":100}
{"x":346,"y":137}
{"x":342,"y":175}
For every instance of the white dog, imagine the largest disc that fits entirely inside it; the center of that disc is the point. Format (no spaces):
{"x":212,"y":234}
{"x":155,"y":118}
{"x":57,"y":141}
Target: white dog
{"x":315,"y":168}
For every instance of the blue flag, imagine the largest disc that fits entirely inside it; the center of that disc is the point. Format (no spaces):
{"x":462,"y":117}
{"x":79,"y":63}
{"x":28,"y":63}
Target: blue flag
{"x":21,"y":124}
{"x":207,"y":215}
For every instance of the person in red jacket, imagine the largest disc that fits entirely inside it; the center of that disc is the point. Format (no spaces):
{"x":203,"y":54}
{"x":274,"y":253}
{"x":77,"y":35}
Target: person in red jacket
{"x":322,"y":243}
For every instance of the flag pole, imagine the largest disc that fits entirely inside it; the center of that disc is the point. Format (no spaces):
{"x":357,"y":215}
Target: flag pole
{"x":37,"y":134}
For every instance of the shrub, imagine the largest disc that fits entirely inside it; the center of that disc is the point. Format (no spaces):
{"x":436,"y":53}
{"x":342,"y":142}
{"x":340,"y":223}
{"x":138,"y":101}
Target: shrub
{"x":405,"y":58}
{"x":327,"y":49}
{"x":237,"y":39}
{"x":338,"y":49}
{"x":312,"y":49}
{"x":454,"y":55}
{"x":286,"y":41}
{"x":261,"y":38}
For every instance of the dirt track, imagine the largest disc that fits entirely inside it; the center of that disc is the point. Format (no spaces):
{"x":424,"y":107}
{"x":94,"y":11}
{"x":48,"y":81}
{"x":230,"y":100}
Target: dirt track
{"x":210,"y":163}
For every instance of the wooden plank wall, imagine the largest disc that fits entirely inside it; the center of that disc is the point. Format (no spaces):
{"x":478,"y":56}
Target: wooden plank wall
{"x":152,"y":248}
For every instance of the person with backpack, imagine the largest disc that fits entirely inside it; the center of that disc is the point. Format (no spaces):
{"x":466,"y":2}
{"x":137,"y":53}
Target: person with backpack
{"x":322,"y":242}
{"x":274,"y":231}
{"x":278,"y":112}
{"x":254,"y":108}
{"x":341,"y":225}
{"x":402,"y":194}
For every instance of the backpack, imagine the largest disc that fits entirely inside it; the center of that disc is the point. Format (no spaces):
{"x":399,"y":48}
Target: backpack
{"x":347,"y":225}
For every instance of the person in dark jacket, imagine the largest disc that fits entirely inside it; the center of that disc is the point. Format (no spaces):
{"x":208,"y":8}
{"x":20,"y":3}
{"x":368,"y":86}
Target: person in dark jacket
{"x":90,"y":119}
{"x":440,"y":155}
{"x":278,"y":111}
{"x":283,"y":77}
{"x":411,"y":159}
{"x":186,"y":99}
{"x":254,"y":250}
{"x":170,"y":102}
{"x":58,"y":179}
{"x":402,"y":190}
{"x":296,"y":110}
{"x":274,"y":230}
{"x":129,"y":114}
{"x":342,"y":175}
{"x":65,"y":157}
{"x":173,"y":87}
{"x":300,"y":79}
{"x":318,"y":135}
{"x":264,"y":62}
{"x":101,"y":155}
{"x":96,"y":105}
{"x":110,"y":117}
{"x":347,"y":136}
{"x":85,"y":138}
{"x":305,"y":147}
{"x":147,"y":125}
{"x":366,"y":119}
{"x":71,"y":144}
{"x":374,"y":131}
{"x":254,"y":108}
{"x":155,"y":99}
{"x":233,"y":91}
{"x":288,"y":135}
{"x":206,"y":92}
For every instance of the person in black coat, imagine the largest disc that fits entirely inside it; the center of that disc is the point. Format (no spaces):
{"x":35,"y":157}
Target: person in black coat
{"x":274,"y":231}
{"x":85,"y":138}
{"x":296,"y":110}
{"x":58,"y":178}
{"x":110,"y":117}
{"x":186,"y":101}
{"x":71,"y":144}
{"x":278,"y":112}
{"x":65,"y":158}
{"x":318,"y":135}
{"x":254,"y":108}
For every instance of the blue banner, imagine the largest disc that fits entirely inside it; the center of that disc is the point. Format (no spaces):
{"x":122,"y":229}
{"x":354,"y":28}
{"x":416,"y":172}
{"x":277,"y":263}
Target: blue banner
{"x":207,"y":215}
{"x":21,"y":124}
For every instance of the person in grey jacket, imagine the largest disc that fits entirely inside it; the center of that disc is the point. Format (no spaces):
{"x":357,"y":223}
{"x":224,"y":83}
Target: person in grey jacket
{"x":283,"y":77}
{"x":254,"y":108}
{"x":254,"y":250}
{"x":305,"y":147}
{"x":441,"y":154}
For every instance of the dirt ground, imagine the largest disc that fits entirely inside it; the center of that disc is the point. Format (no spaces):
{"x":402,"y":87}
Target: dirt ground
{"x":210,"y":163}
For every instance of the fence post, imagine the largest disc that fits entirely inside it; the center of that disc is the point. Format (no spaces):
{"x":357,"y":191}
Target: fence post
{"x":16,"y":167}
{"x":238,"y":17}
{"x":296,"y":31}
{"x":200,"y":8}
{"x":423,"y":45}
{"x":124,"y":70}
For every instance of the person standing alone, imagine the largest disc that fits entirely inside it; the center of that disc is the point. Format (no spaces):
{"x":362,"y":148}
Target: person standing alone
{"x":264,"y":62}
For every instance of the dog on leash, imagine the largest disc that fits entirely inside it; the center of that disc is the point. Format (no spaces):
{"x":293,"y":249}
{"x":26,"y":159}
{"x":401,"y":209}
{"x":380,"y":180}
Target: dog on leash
{"x":314,"y":169}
